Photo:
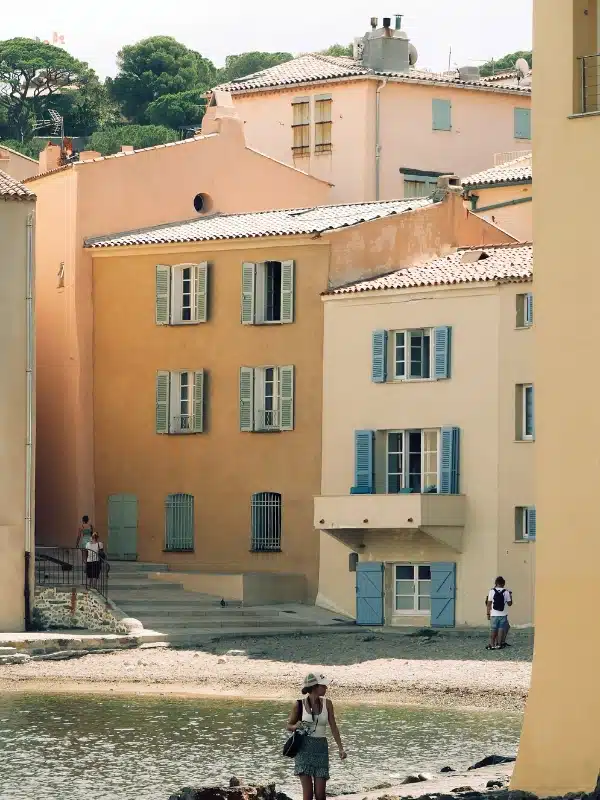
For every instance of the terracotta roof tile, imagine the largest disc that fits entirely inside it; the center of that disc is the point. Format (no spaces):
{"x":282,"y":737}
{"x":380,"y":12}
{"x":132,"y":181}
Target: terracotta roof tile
{"x":262,"y":223}
{"x":511,"y":263}
{"x":11,"y":189}
{"x":316,"y":67}
{"x":510,"y":172}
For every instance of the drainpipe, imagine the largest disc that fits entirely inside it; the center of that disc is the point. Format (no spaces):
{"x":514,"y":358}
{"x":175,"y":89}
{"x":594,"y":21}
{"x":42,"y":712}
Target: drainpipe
{"x":380,"y":86}
{"x":30,"y":411}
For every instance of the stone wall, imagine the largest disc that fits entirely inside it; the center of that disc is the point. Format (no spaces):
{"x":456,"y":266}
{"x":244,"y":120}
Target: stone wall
{"x":70,"y":607}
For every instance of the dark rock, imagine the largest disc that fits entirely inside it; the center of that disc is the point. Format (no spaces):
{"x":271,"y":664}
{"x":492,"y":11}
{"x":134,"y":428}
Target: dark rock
{"x":447,"y":769}
{"x":379,"y":786}
{"x":495,"y":784}
{"x":231,"y":793}
{"x":492,"y":761}
{"x":233,"y":782}
{"x":428,"y":632}
{"x":461,"y":789}
{"x":413,"y":779}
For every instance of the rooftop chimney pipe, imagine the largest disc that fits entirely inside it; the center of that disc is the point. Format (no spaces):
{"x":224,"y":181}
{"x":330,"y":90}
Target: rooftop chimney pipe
{"x":387,"y":22}
{"x":399,"y":21}
{"x":374,"y":22}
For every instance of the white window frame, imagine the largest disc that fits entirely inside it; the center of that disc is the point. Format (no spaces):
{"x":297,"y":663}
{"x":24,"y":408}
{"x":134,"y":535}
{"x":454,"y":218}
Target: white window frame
{"x":415,"y":611}
{"x":408,"y":334}
{"x":176,"y":424}
{"x":176,"y":289}
{"x":267,"y":419}
{"x":522,"y":525}
{"x":405,"y":474}
{"x":260,"y":294}
{"x":525,"y":311}
{"x":525,"y":388}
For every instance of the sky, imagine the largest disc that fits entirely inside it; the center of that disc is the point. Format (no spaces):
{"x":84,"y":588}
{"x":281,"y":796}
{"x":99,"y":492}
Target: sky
{"x":476,"y":30}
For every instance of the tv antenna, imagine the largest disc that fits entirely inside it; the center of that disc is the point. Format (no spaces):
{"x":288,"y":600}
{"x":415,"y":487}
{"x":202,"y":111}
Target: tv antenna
{"x":56,"y":124}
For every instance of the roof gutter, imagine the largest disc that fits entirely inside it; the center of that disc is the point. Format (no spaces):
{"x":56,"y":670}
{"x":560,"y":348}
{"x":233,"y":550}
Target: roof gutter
{"x":507,"y":203}
{"x":381,"y":85}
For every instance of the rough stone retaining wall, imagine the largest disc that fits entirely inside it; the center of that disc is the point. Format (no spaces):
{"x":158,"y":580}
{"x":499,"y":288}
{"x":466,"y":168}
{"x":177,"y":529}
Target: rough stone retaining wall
{"x":70,"y":607}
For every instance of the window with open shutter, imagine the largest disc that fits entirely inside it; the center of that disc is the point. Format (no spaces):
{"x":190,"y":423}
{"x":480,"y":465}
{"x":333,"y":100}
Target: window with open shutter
{"x":162,"y":401}
{"x":441,"y":114}
{"x":163,"y":295}
{"x":248,"y":292}
{"x":286,"y":405}
{"x":442,"y":345}
{"x":246,"y":399}
{"x":201,"y":292}
{"x":287,"y":291}
{"x":364,"y":463}
{"x":450,"y":461}
{"x":522,"y":123}
{"x":379,"y":357}
{"x":198,"y":418}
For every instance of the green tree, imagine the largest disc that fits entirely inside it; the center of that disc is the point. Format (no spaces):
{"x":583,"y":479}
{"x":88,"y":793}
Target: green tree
{"x":87,"y":109}
{"x":31,"y":72}
{"x":110,"y":139}
{"x":178,"y":110}
{"x":248,"y":63}
{"x":506,"y":62}
{"x":155,"y":67}
{"x":339,"y":50}
{"x":30,"y":148}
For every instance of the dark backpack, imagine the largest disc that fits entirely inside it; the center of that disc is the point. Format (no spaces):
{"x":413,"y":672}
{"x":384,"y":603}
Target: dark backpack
{"x":498,"y":601}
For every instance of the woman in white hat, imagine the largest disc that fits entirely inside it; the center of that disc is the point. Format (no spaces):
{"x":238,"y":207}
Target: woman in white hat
{"x":313,"y":714}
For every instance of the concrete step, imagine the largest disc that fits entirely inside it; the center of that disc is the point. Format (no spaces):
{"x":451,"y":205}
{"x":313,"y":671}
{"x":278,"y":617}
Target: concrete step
{"x":137,"y":566}
{"x":140,"y":612}
{"x":174,"y":601}
{"x":132,"y":585}
{"x":168,"y":624}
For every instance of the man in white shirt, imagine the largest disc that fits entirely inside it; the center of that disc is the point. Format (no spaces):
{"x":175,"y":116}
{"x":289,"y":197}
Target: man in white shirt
{"x":498,"y":602}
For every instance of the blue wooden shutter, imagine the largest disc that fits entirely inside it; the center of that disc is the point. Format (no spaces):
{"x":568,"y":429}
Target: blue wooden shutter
{"x":443,"y":595}
{"x":442,"y":115}
{"x":522,"y":123}
{"x":443,"y":344}
{"x":450,"y":461}
{"x":379,"y":366}
{"x":363,"y":462}
{"x":369,"y":593}
{"x":531,"y":522}
{"x":529,"y":309}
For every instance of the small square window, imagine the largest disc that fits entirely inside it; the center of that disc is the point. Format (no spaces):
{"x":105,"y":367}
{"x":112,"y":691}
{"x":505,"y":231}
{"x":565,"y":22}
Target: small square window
{"x":525,"y":310}
{"x":525,"y":524}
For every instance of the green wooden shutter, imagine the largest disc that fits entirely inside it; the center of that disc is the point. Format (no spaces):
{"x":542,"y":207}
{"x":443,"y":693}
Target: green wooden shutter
{"x":163,"y":381}
{"x":528,"y":309}
{"x":163,"y":295}
{"x":450,"y":461}
{"x":522,"y":123}
{"x":286,"y":399}
{"x":200,"y":291}
{"x":442,"y":338}
{"x":287,"y":291}
{"x":441,"y":115}
{"x":379,"y":359}
{"x":363,"y":462}
{"x":198,"y":426}
{"x":246,"y":398}
{"x":531,"y":522}
{"x":248,"y":292}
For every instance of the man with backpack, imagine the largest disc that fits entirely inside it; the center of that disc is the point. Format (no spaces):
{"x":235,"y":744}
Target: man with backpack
{"x":498,"y":601}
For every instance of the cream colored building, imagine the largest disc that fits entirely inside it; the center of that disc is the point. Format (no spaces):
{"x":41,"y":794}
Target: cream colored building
{"x":503,"y":195}
{"x":560,"y":744}
{"x":16,"y":164}
{"x":17,"y":206}
{"x":428,"y":441}
{"x":378,"y":126}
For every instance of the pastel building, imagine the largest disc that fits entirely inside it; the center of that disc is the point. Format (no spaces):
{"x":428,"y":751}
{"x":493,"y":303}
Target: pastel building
{"x":377,"y":126}
{"x":427,"y":489}
{"x":17,"y":403}
{"x":16,"y":164}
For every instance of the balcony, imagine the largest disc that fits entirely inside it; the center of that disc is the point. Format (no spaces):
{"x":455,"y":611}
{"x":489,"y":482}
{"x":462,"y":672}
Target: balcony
{"x":268,"y":420}
{"x":441,"y":516}
{"x":183,"y":424}
{"x":589,"y":84}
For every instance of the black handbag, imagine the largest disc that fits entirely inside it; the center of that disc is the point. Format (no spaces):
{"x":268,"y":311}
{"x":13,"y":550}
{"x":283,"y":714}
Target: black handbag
{"x":292,"y":746}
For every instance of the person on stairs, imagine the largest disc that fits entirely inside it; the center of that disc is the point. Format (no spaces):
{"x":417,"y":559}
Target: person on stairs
{"x":498,"y":602}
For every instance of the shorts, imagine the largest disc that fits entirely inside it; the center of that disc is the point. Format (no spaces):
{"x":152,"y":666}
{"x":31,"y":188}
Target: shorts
{"x":93,"y":570}
{"x":499,"y":623}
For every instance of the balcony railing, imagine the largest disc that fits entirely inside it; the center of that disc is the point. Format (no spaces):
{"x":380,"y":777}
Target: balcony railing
{"x":68,"y":566}
{"x":268,"y":420}
{"x":183,"y":424}
{"x":590,"y":83}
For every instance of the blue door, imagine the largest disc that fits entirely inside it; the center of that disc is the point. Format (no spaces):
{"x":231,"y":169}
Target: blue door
{"x":369,"y":593}
{"x":443,"y":595}
{"x":122,"y":527}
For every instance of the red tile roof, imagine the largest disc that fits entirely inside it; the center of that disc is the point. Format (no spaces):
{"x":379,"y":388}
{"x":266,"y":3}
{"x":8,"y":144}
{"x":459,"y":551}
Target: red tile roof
{"x":11,"y":189}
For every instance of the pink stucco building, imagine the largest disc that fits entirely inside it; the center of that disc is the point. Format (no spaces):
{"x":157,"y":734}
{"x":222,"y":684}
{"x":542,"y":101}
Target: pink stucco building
{"x":376,"y":126}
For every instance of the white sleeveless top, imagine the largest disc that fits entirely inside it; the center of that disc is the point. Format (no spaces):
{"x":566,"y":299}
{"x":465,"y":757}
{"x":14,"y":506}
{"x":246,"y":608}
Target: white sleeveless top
{"x":317,"y":726}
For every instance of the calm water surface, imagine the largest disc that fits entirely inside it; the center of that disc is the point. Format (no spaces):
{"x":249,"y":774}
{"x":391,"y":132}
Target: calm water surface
{"x":77,"y":748}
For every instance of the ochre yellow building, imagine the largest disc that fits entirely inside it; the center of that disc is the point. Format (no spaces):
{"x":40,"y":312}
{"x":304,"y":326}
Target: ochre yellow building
{"x":560,"y":745}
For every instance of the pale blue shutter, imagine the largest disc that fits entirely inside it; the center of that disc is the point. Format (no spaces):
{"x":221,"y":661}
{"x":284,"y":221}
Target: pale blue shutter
{"x":287,"y":291}
{"x":369,"y":593}
{"x":442,"y":344}
{"x":201,"y":291}
{"x":248,"y":292}
{"x":443,"y":595}
{"x":246,"y":398}
{"x":286,"y":399}
{"x":529,"y":309}
{"x":163,"y":292}
{"x":442,"y":114}
{"x":522,"y":123}
{"x":363,"y":462}
{"x":379,"y":364}
{"x":450,"y":461}
{"x":531,"y":522}
{"x":198,"y":425}
{"x":163,"y":380}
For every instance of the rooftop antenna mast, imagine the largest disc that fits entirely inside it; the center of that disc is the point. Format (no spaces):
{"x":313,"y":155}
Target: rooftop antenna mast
{"x":56,"y":123}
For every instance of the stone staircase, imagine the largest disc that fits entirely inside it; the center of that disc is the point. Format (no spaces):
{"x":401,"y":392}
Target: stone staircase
{"x":182,"y":616}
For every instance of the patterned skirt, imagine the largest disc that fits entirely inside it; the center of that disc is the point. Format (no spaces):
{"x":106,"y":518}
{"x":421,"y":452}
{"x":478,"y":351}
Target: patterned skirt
{"x":313,"y":758}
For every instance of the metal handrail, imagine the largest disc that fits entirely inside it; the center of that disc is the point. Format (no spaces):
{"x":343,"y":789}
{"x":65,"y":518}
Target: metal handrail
{"x":68,"y":566}
{"x":590,"y":83}
{"x":184,"y":423}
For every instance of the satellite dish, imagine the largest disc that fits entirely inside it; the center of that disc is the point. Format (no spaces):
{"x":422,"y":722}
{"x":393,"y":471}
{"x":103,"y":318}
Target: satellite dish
{"x":413,"y":54}
{"x":523,"y":66}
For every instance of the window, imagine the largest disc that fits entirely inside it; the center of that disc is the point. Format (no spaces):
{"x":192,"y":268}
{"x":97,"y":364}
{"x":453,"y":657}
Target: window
{"x":413,"y":461}
{"x":179,"y":522}
{"x":267,"y":292}
{"x":181,"y":294}
{"x":416,"y":354}
{"x":180,"y":402}
{"x":412,"y":354}
{"x":525,"y":524}
{"x":525,"y":412}
{"x":301,"y":126}
{"x":266,"y":522}
{"x":412,"y":589}
{"x":441,"y":115}
{"x":525,"y":310}
{"x":522,"y":123}
{"x":323,"y":123}
{"x":419,"y":185}
{"x":267,"y":399}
